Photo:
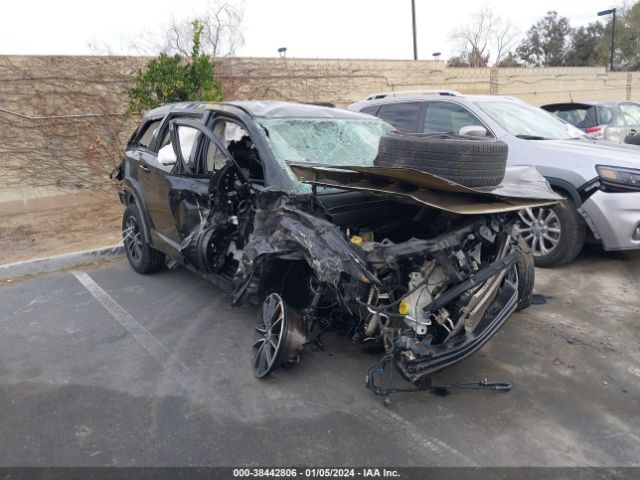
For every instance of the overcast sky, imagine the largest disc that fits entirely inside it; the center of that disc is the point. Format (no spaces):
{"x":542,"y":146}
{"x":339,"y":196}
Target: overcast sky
{"x":308,"y":28}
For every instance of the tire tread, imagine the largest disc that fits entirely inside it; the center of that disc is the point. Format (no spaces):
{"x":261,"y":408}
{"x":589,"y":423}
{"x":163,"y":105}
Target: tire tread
{"x":466,"y":161}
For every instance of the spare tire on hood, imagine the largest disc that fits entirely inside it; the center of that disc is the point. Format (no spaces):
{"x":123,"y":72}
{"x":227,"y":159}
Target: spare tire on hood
{"x":469,"y":161}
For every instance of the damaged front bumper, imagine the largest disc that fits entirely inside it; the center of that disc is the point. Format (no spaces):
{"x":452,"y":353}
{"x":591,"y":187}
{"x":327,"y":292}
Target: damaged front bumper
{"x":431,"y":300}
{"x":445,"y":355}
{"x":616,"y":218}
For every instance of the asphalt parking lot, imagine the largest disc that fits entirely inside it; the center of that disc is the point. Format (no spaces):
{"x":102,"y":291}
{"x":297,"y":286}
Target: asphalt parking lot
{"x":108,"y":367}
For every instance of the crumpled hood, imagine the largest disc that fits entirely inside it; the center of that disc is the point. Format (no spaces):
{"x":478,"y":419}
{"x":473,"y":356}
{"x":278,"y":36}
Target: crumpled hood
{"x":522,"y":187}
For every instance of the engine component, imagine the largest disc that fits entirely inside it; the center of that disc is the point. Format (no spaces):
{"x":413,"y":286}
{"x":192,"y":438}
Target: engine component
{"x":424,"y":285}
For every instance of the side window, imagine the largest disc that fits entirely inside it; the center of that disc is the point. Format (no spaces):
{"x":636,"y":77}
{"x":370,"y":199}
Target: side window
{"x":400,"y":115}
{"x":241,"y":147}
{"x":590,"y":118}
{"x":228,"y":132}
{"x":604,"y":115}
{"x":631,"y":113}
{"x":574,"y":117}
{"x":445,"y":117}
{"x":188,"y":141}
{"x":144,"y":134}
{"x":147,"y":134}
{"x":370,"y":110}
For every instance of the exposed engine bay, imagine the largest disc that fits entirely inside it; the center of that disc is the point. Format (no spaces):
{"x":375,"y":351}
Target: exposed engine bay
{"x":429,"y":285}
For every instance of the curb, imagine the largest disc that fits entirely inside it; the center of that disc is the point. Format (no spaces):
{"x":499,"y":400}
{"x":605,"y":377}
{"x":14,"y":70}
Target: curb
{"x":58,"y":262}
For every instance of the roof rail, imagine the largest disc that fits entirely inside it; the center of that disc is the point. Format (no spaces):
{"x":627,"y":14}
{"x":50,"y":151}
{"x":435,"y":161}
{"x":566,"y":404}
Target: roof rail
{"x":399,"y":93}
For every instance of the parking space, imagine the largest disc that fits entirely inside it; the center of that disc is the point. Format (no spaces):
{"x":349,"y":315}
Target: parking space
{"x":108,"y":367}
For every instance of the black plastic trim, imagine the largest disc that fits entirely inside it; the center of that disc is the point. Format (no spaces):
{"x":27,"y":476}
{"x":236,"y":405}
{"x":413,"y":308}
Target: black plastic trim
{"x":569,"y":188}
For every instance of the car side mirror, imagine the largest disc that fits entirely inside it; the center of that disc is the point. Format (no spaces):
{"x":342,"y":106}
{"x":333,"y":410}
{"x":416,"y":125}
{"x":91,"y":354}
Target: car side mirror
{"x":473,"y":131}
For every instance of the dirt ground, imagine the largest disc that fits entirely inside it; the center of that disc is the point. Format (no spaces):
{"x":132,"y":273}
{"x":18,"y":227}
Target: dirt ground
{"x":61,"y":230}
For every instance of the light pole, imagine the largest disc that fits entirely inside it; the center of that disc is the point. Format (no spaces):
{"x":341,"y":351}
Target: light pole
{"x":613,"y":33}
{"x":413,"y":19}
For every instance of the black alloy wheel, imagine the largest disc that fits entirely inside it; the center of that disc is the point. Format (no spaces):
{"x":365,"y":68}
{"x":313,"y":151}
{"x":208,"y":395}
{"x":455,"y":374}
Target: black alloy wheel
{"x":142,"y":257}
{"x":270,"y":335}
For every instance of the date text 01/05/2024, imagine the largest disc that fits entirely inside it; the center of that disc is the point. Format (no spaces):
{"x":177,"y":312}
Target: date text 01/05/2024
{"x":316,"y":472}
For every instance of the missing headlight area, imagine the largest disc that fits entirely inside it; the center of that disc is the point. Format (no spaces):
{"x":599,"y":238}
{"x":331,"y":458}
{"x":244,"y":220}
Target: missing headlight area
{"x":427,"y":275}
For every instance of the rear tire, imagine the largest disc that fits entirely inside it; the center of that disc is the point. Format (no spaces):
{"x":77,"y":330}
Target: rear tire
{"x":142,"y":257}
{"x":472,"y":162}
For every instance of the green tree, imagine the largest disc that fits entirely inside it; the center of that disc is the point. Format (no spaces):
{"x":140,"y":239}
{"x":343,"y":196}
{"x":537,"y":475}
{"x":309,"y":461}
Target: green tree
{"x":627,"y":53}
{"x":586,"y":46}
{"x":546,"y":42}
{"x":510,"y":61}
{"x":167,"y":79}
{"x":470,"y":59}
{"x":458,"y":61}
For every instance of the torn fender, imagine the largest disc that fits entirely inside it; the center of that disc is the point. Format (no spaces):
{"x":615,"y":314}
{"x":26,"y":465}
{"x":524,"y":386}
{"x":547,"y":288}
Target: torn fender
{"x":522,"y":187}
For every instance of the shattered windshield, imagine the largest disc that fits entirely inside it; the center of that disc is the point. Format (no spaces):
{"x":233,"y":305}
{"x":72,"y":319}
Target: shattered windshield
{"x":325,"y":141}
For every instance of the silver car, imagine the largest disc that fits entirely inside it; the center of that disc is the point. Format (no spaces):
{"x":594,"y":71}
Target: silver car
{"x":615,"y":121}
{"x":600,"y":180}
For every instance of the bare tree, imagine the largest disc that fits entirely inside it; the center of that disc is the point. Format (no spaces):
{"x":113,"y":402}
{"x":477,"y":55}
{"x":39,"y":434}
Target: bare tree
{"x":221,"y":22}
{"x":485,"y":34}
{"x":505,"y":39}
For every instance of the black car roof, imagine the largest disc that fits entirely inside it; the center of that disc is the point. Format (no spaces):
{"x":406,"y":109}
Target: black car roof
{"x":570,"y":105}
{"x":262,"y":108}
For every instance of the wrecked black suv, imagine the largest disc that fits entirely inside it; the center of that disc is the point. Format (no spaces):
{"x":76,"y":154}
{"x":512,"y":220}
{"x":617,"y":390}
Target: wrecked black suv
{"x":283,"y":205}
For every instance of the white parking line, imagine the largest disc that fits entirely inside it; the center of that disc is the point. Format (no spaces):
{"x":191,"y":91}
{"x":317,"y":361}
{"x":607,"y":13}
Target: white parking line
{"x":170,"y":363}
{"x":389,"y":422}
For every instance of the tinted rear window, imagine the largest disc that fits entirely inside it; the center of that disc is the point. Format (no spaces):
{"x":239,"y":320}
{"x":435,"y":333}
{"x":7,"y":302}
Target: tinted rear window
{"x":578,"y":116}
{"x":401,"y":115}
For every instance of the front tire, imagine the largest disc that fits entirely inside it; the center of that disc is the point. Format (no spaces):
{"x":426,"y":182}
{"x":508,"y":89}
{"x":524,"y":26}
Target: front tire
{"x":278,"y":336}
{"x":142,"y":257}
{"x":526,"y":270}
{"x":555,"y":234}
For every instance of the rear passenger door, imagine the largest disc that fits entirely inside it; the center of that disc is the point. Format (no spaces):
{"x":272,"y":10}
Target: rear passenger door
{"x":154,"y":171}
{"x":404,"y":116}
